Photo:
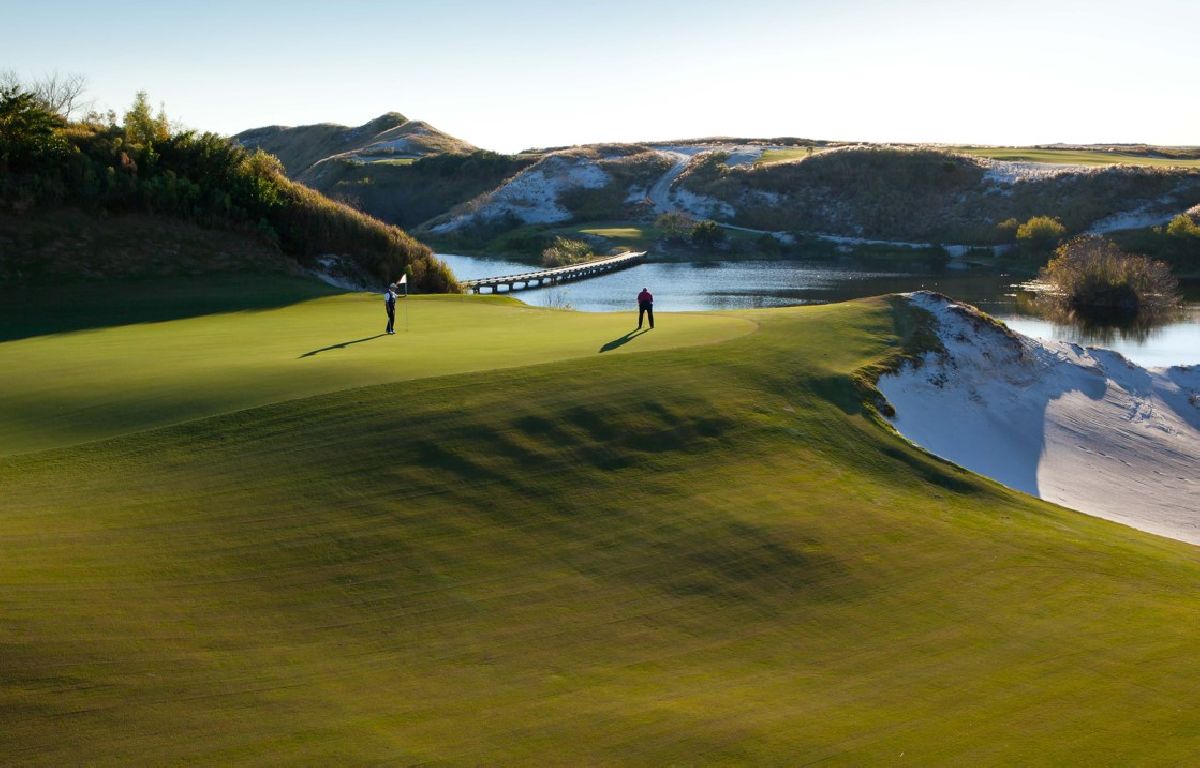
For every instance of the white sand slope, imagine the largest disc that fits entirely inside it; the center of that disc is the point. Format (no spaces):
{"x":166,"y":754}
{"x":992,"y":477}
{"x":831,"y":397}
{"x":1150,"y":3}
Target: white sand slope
{"x":1084,"y":428}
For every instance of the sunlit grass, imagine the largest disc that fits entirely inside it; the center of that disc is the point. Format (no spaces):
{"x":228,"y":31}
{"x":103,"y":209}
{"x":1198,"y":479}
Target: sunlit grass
{"x":705,"y":554}
{"x":786,"y":154}
{"x":1075,"y":157}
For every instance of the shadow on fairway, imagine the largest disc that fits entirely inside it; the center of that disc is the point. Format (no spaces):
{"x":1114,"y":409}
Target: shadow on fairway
{"x":622,"y":340}
{"x":342,"y":345}
{"x":27,"y":311}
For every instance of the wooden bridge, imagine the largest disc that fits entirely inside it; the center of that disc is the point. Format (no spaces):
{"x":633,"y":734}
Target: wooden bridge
{"x":556,"y":275}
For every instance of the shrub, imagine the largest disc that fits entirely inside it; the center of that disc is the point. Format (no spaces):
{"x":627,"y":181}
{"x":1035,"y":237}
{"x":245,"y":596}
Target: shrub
{"x":1040,"y":233}
{"x":566,"y":251}
{"x":1006,"y":231}
{"x":675,"y":226}
{"x":1183,"y":225}
{"x":1093,"y":273}
{"x":203,"y":178}
{"x":707,"y":233}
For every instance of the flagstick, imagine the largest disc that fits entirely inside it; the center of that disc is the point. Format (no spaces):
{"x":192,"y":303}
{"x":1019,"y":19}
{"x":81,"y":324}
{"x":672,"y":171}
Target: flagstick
{"x":406,"y":306}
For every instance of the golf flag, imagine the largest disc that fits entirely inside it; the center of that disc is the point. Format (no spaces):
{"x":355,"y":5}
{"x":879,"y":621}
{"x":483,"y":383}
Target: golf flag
{"x":404,"y":281}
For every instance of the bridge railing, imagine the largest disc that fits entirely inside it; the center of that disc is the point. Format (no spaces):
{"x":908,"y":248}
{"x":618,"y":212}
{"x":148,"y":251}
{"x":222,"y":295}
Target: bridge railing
{"x":568,"y":269}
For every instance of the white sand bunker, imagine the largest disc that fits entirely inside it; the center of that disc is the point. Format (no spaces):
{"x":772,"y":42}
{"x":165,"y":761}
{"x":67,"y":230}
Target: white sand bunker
{"x":1084,"y":428}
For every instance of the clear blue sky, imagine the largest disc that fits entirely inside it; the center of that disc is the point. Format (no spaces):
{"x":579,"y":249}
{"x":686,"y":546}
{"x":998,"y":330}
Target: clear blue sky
{"x":534,"y":73}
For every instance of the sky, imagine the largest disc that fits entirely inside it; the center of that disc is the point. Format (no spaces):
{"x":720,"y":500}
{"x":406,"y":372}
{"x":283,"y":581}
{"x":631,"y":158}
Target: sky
{"x":534,"y":73}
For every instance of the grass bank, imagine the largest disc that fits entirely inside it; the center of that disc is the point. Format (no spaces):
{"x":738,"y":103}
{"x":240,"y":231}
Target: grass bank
{"x":706,"y":555}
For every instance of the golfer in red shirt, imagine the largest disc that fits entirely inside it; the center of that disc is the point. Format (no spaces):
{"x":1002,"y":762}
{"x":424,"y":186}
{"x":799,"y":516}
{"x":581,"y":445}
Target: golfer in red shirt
{"x":645,"y":307}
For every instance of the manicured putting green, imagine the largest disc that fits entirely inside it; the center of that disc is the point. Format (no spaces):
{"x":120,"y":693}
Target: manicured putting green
{"x":74,"y":387}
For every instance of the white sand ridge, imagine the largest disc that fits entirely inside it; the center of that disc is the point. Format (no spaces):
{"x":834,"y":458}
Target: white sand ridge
{"x":1084,"y":428}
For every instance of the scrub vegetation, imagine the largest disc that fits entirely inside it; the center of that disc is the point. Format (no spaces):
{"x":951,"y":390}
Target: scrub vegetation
{"x":924,"y":194}
{"x":566,"y":251}
{"x":1178,"y":243}
{"x":1092,"y":274}
{"x":141,"y":165}
{"x":1143,"y":155}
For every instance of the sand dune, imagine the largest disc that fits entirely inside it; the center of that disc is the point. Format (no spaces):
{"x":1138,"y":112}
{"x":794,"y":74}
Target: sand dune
{"x":1084,"y":428}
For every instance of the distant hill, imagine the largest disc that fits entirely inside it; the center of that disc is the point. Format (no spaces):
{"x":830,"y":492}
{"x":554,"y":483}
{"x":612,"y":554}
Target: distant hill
{"x":401,"y":171}
{"x":838,"y":193}
{"x":409,"y":174}
{"x":309,"y":151}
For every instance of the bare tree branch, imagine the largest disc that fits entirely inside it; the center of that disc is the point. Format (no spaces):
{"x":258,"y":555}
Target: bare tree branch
{"x":62,"y":94}
{"x":9,"y":79}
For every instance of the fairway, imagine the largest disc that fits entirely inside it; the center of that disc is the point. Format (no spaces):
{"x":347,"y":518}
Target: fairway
{"x":616,"y":233}
{"x":625,"y":234}
{"x":1076,"y":157}
{"x":490,"y":543}
{"x":787,"y":154}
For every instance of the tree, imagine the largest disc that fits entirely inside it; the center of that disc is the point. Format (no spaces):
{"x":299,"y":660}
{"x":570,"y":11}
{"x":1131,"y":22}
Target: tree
{"x":162,"y":126}
{"x":707,"y":233}
{"x":62,"y":94}
{"x":28,"y":132}
{"x":674,"y":225}
{"x":1183,"y":225}
{"x":1006,"y":231}
{"x":140,"y":127}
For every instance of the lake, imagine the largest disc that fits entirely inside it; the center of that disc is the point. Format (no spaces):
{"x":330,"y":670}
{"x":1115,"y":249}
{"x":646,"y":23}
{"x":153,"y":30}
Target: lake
{"x":689,"y":286}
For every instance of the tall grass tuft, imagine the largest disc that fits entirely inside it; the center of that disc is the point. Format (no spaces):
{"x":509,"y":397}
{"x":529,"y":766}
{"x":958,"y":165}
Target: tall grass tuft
{"x":566,"y":251}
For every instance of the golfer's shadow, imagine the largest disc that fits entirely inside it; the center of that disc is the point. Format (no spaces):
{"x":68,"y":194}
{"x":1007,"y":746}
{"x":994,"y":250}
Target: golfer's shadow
{"x":342,"y":345}
{"x":622,"y":340}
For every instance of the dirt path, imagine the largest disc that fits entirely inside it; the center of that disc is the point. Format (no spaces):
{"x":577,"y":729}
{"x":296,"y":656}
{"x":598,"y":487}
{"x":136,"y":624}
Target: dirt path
{"x":660,"y":193}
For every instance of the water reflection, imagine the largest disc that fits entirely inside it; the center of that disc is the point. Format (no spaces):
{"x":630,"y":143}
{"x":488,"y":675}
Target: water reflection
{"x":762,"y":284}
{"x":1109,"y":327}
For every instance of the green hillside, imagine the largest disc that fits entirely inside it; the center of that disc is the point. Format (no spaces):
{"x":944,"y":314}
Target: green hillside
{"x":391,"y":135}
{"x":547,"y":554}
{"x":52,"y":170}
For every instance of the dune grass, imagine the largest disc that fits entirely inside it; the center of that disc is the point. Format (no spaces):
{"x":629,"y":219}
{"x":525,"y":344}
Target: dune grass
{"x":1076,"y":157}
{"x":705,"y":555}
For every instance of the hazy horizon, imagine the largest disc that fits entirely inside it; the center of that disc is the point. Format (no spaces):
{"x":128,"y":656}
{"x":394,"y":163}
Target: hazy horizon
{"x":537,"y":73}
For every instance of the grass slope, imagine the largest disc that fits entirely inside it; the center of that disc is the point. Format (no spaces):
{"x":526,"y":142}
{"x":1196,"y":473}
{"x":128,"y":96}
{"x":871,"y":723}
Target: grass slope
{"x":67,"y":388}
{"x":1078,"y":157}
{"x":299,"y":148}
{"x":700,"y":556}
{"x":786,"y":154}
